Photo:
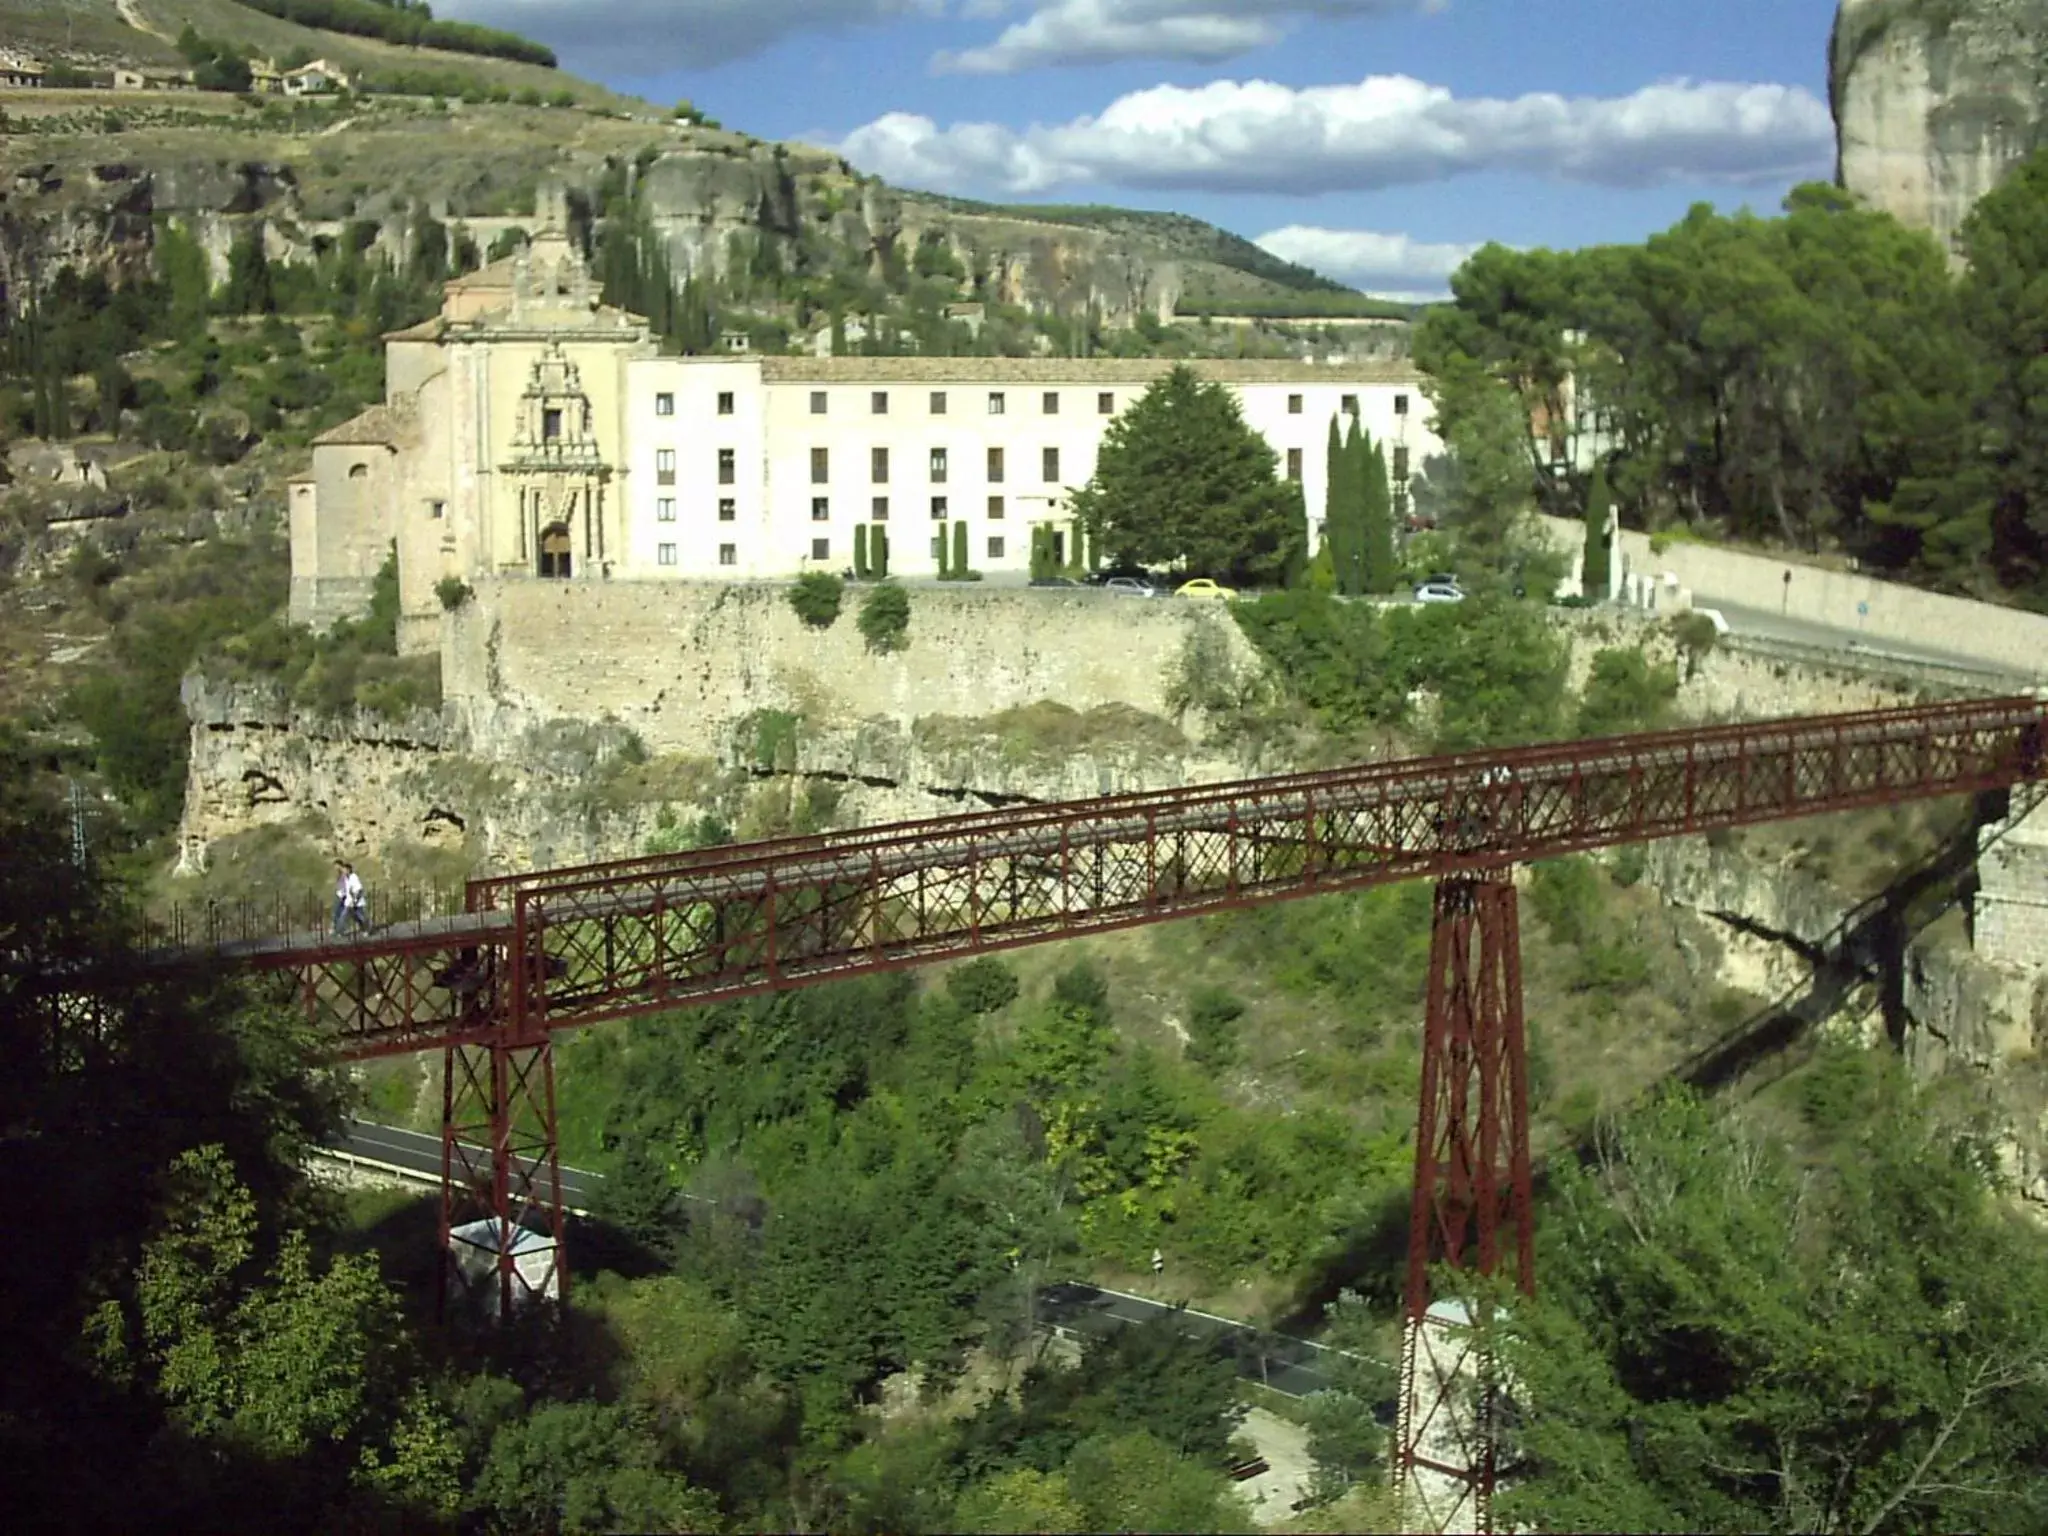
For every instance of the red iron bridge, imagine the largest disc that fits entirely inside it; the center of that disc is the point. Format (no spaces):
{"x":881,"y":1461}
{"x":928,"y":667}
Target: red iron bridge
{"x":558,"y":949}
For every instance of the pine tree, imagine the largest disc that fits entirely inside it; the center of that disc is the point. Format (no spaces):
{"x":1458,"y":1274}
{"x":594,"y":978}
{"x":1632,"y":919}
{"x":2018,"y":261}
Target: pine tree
{"x":1597,"y":573}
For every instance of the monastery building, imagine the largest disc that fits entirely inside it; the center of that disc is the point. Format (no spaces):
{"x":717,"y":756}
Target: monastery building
{"x":529,"y":431}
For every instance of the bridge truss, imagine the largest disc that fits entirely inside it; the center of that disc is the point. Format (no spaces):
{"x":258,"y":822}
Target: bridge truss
{"x":563,"y":949}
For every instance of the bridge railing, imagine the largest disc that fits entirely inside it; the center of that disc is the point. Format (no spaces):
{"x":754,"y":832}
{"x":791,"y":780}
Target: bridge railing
{"x":303,"y":914}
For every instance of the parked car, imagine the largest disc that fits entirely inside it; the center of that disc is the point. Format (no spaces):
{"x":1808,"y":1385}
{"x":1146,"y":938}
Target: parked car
{"x":1439,"y":592}
{"x":1130,"y":586}
{"x":1054,"y":581}
{"x":1109,"y":573}
{"x":1202,"y":586}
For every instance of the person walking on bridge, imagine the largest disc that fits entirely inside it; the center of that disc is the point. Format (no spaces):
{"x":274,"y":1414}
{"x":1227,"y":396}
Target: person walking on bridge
{"x":351,"y":905}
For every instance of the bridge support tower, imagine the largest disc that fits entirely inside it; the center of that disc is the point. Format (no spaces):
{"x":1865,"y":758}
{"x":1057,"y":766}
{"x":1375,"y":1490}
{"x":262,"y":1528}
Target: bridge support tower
{"x":502,"y":1234}
{"x":1470,"y":1208}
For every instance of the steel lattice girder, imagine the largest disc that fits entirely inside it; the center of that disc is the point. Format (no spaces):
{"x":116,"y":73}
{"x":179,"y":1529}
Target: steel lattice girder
{"x":501,"y":1177}
{"x":644,"y":935}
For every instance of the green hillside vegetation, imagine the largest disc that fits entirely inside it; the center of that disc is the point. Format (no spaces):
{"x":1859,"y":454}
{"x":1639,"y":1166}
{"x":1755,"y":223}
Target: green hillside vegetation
{"x":408,"y":24}
{"x":92,"y":34}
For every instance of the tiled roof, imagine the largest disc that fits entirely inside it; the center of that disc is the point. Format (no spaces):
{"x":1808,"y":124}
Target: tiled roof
{"x":388,"y":425}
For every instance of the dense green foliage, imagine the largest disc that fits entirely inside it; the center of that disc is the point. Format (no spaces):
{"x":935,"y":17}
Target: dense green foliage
{"x":1495,"y":667}
{"x":816,"y":596}
{"x":1181,"y":481}
{"x":885,"y":611}
{"x":1729,"y":1341}
{"x":410,"y":24}
{"x":1817,"y":380}
{"x":1307,"y":304}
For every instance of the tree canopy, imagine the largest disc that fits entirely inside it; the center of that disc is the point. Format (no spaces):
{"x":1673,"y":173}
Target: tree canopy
{"x":1181,"y":481}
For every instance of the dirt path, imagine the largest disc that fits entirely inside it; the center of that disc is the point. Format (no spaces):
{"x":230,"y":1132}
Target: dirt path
{"x":131,"y":13}
{"x":1285,"y":1447}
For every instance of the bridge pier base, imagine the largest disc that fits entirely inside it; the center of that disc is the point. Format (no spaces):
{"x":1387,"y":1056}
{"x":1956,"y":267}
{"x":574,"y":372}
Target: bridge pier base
{"x":1471,"y":1203}
{"x":502,"y":1235}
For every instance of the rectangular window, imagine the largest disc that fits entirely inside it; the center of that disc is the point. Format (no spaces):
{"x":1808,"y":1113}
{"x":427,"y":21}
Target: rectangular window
{"x":664,"y":404}
{"x":878,"y":465}
{"x":437,"y":510}
{"x":1400,"y":405}
{"x":665,"y":510}
{"x":938,"y":402}
{"x":1049,"y":465}
{"x":821,"y":465}
{"x":664,"y":554}
{"x":1294,"y":463}
{"x":725,"y":402}
{"x":550,"y":425}
{"x":995,"y":402}
{"x":878,"y":403}
{"x":938,"y":466}
{"x":1400,"y":466}
{"x":1294,"y":405}
{"x":821,"y":549}
{"x":1349,"y":404}
{"x":1105,"y":403}
{"x":995,"y":508}
{"x":938,"y":507}
{"x":728,"y":509}
{"x":664,"y":466}
{"x":727,"y":471}
{"x":995,"y":466}
{"x":728,"y":554}
{"x":821,"y":509}
{"x":1050,"y":405}
{"x":817,"y":402}
{"x":995,"y":549}
{"x":878,"y":509}
{"x":1400,"y":508}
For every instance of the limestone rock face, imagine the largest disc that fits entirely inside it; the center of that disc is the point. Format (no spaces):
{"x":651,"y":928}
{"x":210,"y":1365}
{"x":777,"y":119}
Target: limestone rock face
{"x":1934,"y":101}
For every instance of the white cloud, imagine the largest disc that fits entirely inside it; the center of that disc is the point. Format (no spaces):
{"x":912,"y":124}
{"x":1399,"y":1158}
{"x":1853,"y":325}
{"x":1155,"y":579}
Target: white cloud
{"x":1101,"y":31}
{"x":1392,"y":265}
{"x":639,"y":38}
{"x":1384,"y":131}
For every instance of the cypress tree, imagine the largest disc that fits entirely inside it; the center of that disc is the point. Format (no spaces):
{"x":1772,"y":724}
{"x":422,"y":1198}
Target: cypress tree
{"x":1597,"y":572}
{"x":879,"y":552}
{"x":860,"y":551}
{"x":1351,"y":573}
{"x":1335,"y":468}
{"x":942,"y":544}
{"x":1379,"y":570}
{"x":960,"y":566}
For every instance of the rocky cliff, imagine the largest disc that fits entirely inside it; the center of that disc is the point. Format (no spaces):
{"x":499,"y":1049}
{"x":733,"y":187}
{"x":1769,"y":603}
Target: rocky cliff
{"x":1934,"y":100}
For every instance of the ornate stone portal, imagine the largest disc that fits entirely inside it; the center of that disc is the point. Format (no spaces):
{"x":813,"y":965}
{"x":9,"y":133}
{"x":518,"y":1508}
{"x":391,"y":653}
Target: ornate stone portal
{"x":558,"y":472}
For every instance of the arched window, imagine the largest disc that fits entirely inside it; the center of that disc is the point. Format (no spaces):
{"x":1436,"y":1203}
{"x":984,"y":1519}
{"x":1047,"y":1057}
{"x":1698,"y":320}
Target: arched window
{"x":359,"y":471}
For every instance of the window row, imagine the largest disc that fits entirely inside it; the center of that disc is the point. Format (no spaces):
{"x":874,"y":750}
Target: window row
{"x":1348,"y":404}
{"x":665,"y":509}
{"x":821,"y":549}
{"x":938,"y":467}
{"x":997,"y":402}
{"x":665,"y":403}
{"x":665,"y":554}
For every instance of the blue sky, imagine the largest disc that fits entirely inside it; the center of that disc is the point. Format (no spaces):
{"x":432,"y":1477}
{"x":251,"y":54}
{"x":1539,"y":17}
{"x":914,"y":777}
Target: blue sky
{"x":1378,"y":140}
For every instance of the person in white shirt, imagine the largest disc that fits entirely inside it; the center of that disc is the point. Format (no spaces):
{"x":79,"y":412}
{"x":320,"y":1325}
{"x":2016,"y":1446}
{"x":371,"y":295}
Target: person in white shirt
{"x":351,"y":905}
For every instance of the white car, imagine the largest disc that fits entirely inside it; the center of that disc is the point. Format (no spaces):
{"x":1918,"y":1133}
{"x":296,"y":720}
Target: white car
{"x":1439,"y":592}
{"x":1129,"y":586}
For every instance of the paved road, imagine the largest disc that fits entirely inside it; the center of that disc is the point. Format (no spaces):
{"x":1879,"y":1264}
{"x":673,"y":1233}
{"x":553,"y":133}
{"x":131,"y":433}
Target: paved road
{"x":417,"y":1154}
{"x":1292,"y":1367}
{"x":1770,"y":626}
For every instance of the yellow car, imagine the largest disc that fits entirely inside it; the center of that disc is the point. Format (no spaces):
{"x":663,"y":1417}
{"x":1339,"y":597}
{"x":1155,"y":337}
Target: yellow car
{"x":1202,"y":586}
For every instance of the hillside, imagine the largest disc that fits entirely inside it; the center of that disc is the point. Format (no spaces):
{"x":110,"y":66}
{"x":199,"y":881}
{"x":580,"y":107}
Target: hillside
{"x":97,"y":34}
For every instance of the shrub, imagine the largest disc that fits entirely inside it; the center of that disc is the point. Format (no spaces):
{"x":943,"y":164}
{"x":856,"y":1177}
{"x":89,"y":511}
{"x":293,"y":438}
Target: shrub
{"x":453,"y":592}
{"x":983,"y":985}
{"x":817,"y":597}
{"x":885,"y":619}
{"x":1212,"y":1028}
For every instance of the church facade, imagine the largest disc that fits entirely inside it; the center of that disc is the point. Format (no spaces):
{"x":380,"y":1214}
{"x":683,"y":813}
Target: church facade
{"x":530,"y":432}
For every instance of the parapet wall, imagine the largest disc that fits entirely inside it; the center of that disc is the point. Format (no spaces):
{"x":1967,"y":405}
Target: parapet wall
{"x":679,"y":662}
{"x":1875,"y":612}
